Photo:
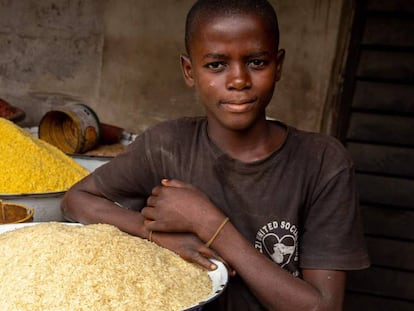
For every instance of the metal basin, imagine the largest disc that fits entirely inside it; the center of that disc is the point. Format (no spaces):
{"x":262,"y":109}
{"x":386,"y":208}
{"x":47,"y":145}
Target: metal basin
{"x":47,"y":205}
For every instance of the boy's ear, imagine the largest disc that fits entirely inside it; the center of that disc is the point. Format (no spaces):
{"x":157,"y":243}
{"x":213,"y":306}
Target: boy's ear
{"x":187,"y":69}
{"x":280,"y":57}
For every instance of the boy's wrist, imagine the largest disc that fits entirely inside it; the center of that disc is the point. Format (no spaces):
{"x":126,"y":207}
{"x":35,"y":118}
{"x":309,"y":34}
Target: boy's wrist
{"x":211,"y":228}
{"x":217,"y":232}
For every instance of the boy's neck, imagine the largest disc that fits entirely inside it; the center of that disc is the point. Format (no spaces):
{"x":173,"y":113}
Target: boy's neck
{"x":252,"y":144}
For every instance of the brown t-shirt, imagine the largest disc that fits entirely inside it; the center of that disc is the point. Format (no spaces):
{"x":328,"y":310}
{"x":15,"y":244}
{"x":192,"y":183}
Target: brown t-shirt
{"x":299,"y":206}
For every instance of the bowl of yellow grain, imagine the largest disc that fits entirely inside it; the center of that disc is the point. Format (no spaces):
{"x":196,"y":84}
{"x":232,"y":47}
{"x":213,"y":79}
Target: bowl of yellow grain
{"x":34,"y":173}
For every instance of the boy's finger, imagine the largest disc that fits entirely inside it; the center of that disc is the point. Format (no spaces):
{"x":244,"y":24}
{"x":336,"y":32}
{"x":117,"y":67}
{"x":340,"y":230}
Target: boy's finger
{"x":175,"y":183}
{"x":214,"y":255}
{"x":208,"y":252}
{"x":204,"y":262}
{"x":172,"y":183}
{"x":148,"y":213}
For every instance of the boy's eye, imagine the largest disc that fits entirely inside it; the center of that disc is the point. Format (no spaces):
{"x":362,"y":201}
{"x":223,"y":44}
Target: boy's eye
{"x":216,"y":66}
{"x":258,"y":63}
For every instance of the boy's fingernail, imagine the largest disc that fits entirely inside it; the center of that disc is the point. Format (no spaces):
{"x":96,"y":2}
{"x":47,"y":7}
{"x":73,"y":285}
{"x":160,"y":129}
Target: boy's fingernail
{"x":213,"y":267}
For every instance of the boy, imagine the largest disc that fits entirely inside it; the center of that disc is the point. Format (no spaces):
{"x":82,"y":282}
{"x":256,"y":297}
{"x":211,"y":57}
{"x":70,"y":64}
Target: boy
{"x":277,"y":204}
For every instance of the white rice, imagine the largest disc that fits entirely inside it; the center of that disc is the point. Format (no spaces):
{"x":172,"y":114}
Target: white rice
{"x":54,"y":266}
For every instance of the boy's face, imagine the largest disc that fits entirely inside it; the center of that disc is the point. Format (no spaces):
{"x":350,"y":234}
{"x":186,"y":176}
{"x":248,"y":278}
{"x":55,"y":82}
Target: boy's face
{"x":234,"y":66}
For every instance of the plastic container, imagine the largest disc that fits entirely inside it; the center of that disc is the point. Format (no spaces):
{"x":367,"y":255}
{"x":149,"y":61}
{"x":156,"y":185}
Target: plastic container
{"x":12,"y":213}
{"x":73,"y":128}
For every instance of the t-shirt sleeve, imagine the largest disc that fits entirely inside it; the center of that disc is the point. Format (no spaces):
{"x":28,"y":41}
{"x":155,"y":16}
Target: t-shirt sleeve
{"x":332,"y":235}
{"x":162,"y":151}
{"x":127,"y":179}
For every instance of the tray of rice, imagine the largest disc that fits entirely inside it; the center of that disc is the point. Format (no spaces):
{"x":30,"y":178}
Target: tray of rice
{"x":67,"y":266}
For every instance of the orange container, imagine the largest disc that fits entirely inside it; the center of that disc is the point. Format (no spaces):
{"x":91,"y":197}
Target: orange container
{"x":73,"y":128}
{"x":15,"y":213}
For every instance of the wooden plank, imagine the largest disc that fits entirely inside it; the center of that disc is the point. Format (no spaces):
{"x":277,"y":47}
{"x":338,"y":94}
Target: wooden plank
{"x":392,"y":98}
{"x":389,"y":30}
{"x":388,"y":221}
{"x":405,"y":6}
{"x":382,"y":159}
{"x":386,"y":190}
{"x":361,"y":302}
{"x":382,"y":282}
{"x":386,"y":65}
{"x":381,"y":129}
{"x":391,"y":253}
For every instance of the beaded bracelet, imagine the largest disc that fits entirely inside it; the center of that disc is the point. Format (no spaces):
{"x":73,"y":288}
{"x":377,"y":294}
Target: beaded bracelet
{"x":217,"y":232}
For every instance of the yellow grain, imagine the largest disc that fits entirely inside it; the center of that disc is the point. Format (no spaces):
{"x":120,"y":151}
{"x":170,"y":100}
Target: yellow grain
{"x":30,"y":165}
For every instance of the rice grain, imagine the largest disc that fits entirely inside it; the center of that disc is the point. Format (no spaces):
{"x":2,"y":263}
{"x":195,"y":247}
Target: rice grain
{"x":54,"y":266}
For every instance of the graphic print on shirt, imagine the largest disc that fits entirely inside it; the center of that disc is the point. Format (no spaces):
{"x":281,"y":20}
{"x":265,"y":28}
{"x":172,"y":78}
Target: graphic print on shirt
{"x":278,"y":241}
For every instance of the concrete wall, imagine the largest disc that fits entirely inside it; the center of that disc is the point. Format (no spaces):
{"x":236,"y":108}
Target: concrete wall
{"x":122,"y":59}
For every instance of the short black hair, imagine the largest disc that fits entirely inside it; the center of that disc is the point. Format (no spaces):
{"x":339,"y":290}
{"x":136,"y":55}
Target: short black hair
{"x":208,"y":9}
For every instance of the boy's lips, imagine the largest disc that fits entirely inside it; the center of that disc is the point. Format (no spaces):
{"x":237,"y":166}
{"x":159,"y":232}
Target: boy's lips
{"x":238,"y":105}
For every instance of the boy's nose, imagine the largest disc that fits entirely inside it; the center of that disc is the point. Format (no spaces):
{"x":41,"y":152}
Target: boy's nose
{"x":238,"y":78}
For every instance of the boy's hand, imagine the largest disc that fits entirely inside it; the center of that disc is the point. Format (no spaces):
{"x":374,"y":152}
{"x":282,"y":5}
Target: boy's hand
{"x":175,"y":206}
{"x":188,"y":246}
